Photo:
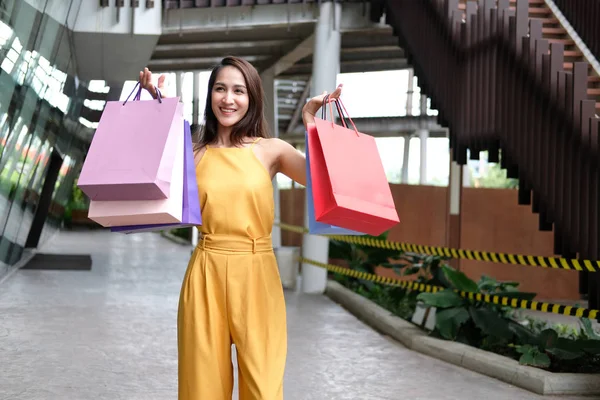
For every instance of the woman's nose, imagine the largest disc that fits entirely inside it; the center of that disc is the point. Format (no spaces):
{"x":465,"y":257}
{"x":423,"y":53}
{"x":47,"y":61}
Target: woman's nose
{"x":228,"y":98}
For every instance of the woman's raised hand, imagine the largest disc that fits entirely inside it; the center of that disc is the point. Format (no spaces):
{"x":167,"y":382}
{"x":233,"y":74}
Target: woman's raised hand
{"x":313,"y":105}
{"x":146,"y":82}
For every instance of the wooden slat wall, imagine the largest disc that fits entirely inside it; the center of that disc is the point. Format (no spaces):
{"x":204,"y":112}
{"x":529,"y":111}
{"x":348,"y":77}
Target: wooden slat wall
{"x":501,"y":85}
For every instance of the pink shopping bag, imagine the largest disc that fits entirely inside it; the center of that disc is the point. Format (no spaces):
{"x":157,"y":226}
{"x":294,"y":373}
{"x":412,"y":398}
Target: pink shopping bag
{"x":131,"y":156}
{"x":191,"y":215}
{"x":111,"y":213}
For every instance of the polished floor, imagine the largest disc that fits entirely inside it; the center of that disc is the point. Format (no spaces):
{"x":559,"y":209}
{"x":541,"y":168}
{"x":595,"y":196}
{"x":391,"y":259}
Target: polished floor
{"x":110,"y":334}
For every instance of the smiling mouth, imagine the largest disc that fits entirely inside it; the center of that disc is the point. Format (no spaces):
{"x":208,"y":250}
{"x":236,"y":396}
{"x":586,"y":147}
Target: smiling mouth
{"x":227,"y":110}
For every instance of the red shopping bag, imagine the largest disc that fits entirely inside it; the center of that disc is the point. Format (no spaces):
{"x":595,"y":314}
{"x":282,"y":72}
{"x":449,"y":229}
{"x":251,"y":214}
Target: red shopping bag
{"x":350,"y":189}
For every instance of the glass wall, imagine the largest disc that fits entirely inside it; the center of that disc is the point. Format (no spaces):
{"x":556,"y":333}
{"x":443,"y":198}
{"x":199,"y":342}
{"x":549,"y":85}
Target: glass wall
{"x":40,"y":102}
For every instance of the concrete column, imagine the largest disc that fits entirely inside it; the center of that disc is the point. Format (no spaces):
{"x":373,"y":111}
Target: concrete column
{"x":195,"y":97}
{"x":409,"y":92}
{"x":271,"y":114}
{"x":326,"y":66}
{"x":405,"y":159}
{"x":423,"y":136}
{"x":178,"y":84}
{"x":453,"y":230}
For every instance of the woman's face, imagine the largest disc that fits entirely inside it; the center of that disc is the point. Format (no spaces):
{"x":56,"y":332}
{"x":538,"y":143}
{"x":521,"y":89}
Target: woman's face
{"x":229,"y":96}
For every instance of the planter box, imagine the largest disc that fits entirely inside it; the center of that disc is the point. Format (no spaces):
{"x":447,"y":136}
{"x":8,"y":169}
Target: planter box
{"x":496,"y":366}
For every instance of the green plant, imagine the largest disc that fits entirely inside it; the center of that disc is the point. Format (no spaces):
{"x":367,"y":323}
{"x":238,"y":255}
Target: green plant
{"x":541,"y":350}
{"x":362,"y":258}
{"x":183,"y":233}
{"x":427,"y":268}
{"x":473,"y":322}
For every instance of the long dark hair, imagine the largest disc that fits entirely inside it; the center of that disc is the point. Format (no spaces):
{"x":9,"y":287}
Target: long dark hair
{"x":253,"y":124}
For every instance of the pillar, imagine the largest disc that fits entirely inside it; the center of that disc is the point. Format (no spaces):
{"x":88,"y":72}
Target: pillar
{"x":195,"y":97}
{"x":405,"y":159}
{"x":271,"y":112}
{"x":453,"y":225}
{"x":409,"y":92}
{"x":423,"y":136}
{"x":326,"y":66}
{"x":178,"y":84}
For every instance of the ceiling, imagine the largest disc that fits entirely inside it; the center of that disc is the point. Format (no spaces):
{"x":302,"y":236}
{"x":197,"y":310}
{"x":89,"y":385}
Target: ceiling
{"x":196,"y":38}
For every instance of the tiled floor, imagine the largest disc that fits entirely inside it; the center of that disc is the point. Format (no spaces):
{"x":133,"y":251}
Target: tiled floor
{"x":111,"y":334}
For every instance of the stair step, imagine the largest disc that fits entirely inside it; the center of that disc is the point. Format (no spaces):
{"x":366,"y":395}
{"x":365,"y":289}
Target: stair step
{"x":565,"y":41}
{"x":573,"y":53}
{"x":551,"y":30}
{"x":593,"y":91}
{"x":540,"y":10}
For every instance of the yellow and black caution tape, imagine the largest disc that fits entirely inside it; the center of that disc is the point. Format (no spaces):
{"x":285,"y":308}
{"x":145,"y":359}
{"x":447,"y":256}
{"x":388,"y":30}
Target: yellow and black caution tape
{"x":486,"y":298}
{"x":515,"y":259}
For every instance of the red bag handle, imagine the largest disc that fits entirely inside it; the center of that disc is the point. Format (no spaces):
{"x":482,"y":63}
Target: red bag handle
{"x":338,"y":103}
{"x":324,"y":112}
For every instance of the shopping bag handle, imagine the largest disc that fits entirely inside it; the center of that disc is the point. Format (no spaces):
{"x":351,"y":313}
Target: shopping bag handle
{"x":338,"y":103}
{"x":324,"y":112}
{"x":138,"y":95}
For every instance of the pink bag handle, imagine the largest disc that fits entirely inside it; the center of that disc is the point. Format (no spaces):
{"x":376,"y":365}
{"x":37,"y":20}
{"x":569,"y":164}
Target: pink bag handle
{"x":139,"y":93}
{"x":339,"y":103}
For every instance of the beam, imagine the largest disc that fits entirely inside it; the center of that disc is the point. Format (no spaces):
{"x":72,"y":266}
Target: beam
{"x":224,"y":46}
{"x":181,"y":63}
{"x":249,"y":18}
{"x":304,"y":49}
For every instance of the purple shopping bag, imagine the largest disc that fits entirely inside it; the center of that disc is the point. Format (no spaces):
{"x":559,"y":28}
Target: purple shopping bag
{"x":132,"y":152}
{"x":191,"y":215}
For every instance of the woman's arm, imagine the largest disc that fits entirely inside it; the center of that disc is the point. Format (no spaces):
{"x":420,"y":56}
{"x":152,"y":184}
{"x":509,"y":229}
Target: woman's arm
{"x":291,"y":162}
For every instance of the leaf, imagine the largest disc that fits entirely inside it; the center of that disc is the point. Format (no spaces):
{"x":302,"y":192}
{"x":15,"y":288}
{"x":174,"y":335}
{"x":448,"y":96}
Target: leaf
{"x":548,"y":339}
{"x":524,"y":349}
{"x":588,"y":329}
{"x":411,"y":271}
{"x":532,"y":356}
{"x":524,"y":334}
{"x":541,"y":360}
{"x":459,"y":280}
{"x":590,"y":346}
{"x":449,"y":321}
{"x":443,"y":299}
{"x":564,"y":354}
{"x":491,"y":323}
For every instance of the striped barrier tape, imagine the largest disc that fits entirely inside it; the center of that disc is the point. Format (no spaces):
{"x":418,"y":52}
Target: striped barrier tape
{"x":486,"y":298}
{"x":515,"y":259}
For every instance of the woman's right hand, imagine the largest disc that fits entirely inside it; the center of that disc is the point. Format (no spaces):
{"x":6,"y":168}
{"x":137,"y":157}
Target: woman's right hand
{"x":146,"y":82}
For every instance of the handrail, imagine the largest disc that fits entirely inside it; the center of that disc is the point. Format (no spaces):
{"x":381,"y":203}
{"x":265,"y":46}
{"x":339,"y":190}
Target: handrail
{"x":581,"y":17}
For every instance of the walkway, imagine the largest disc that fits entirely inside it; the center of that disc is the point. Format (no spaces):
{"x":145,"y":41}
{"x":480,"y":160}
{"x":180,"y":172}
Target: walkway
{"x":111,"y":334}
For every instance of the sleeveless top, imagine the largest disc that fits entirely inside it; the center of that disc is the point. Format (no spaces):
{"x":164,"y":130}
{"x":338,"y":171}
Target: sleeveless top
{"x":236,"y":193}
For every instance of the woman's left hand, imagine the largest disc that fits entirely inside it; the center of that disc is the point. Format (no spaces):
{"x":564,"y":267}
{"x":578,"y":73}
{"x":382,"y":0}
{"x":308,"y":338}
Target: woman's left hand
{"x":313,"y":105}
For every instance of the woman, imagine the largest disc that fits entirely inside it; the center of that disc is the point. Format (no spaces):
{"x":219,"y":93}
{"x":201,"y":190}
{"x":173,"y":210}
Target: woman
{"x":231,"y":292}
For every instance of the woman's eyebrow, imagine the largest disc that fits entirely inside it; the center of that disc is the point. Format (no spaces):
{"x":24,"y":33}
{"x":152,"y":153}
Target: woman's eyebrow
{"x":235,"y":86}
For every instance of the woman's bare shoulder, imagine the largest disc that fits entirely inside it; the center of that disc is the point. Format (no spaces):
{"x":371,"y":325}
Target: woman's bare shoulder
{"x":198,"y":153}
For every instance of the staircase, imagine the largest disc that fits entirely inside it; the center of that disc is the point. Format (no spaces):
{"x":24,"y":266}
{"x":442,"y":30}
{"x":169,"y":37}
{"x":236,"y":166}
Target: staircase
{"x":507,"y":77}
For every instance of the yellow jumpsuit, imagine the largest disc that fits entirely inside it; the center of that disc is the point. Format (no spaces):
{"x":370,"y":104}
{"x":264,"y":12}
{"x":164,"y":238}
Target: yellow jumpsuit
{"x":231,"y":292}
